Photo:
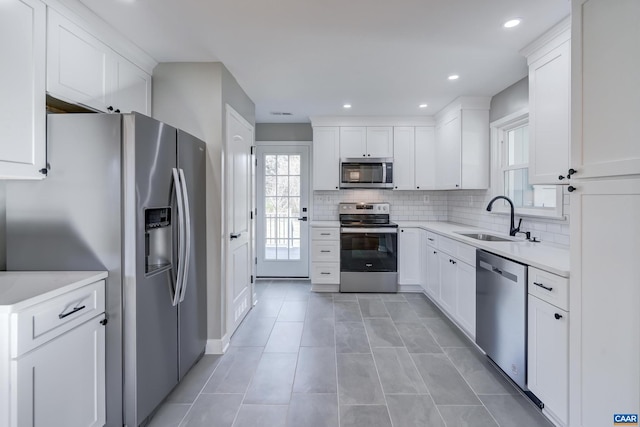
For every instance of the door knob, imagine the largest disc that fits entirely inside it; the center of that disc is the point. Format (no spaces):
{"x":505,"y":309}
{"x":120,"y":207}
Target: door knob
{"x":571,"y":189}
{"x":304,"y":218}
{"x":234,"y":235}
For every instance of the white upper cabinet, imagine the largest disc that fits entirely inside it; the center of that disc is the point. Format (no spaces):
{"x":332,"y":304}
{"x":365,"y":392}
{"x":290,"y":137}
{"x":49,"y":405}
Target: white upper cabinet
{"x":366,"y":141}
{"x":404,"y":154}
{"x":379,"y":141}
{"x":22,"y":85}
{"x":549,"y":61}
{"x":605,"y":89}
{"x":326,"y":158}
{"x":462,"y":145}
{"x":132,"y":88}
{"x":425,"y":158}
{"x":353,"y":141}
{"x":81,"y":69}
{"x":78,"y":64}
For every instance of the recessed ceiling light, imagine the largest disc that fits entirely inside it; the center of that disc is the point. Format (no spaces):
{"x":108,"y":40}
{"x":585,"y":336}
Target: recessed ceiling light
{"x":512,"y":23}
{"x":346,"y":106}
{"x":454,"y":77}
{"x":422,"y":106}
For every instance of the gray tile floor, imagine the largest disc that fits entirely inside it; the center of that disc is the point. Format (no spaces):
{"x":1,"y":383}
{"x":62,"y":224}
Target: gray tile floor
{"x":345,"y":360}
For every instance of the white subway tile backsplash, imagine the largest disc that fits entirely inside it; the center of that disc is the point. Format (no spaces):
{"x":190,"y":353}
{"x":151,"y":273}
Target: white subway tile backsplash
{"x":463,"y":207}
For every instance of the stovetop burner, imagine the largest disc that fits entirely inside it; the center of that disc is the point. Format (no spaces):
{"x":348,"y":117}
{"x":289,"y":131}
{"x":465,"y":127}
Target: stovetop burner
{"x":365,"y":215}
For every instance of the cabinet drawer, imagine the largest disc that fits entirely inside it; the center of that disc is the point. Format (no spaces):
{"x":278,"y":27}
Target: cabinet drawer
{"x":325,"y":233}
{"x":466,"y":253}
{"x":432,"y":239}
{"x":47,"y":320}
{"x":549,"y":287}
{"x":325,"y":272}
{"x":325,"y":251}
{"x":447,"y":245}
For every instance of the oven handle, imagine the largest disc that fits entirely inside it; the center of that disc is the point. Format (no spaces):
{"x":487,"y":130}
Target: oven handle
{"x":381,"y":230}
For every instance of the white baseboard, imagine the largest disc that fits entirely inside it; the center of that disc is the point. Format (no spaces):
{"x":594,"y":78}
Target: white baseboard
{"x":324,"y":288}
{"x":217,"y":346}
{"x":411,"y":289}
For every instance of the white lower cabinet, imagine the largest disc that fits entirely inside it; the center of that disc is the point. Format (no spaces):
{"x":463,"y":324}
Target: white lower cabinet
{"x":325,"y":258}
{"x":409,"y":255}
{"x":450,"y":278}
{"x":52,"y":349}
{"x":548,"y":357}
{"x":62,"y":383}
{"x":433,"y":272}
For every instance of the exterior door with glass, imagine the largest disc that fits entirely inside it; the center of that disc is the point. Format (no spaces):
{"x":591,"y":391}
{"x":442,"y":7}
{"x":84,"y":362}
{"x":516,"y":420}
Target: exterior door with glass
{"x":283,"y":211}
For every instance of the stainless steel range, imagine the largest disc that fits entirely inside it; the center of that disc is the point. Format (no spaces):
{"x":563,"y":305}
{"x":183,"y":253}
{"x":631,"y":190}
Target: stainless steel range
{"x":368,"y":248}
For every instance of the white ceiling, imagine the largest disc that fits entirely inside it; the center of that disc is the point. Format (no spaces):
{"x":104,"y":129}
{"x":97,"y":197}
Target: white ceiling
{"x":309,"y":57}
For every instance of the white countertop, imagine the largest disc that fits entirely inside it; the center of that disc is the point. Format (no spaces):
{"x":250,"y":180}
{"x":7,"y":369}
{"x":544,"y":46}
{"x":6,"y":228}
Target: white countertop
{"x":549,"y":257}
{"x":19,"y":289}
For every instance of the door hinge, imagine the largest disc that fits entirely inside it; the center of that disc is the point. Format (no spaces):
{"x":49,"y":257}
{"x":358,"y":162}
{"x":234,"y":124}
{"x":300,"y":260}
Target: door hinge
{"x":252,"y":278}
{"x":256,"y":161}
{"x":256,"y":260}
{"x":252,"y":148}
{"x":251,"y":214}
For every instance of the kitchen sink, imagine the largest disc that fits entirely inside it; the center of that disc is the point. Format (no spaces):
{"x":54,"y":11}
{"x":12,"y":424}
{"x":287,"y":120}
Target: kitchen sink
{"x":486,"y":237}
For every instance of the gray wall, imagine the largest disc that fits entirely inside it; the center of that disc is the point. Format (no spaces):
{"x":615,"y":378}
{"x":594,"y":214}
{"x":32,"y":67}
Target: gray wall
{"x":192,"y":97}
{"x":284,"y":132}
{"x":510,"y":100}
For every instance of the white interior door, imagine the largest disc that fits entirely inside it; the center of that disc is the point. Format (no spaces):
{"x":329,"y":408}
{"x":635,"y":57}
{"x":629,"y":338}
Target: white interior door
{"x":283,"y":211}
{"x":239,"y":140}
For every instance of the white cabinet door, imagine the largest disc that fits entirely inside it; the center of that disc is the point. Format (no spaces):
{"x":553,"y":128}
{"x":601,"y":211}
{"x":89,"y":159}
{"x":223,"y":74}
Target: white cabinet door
{"x":79,"y":66}
{"x":379,"y":141}
{"x":62,"y":383}
{"x":424,"y":159}
{"x":549,"y":93}
{"x":326,"y":158}
{"x":132,"y":88}
{"x":433,"y":273}
{"x":448,"y":153}
{"x":404,"y":158}
{"x":605,"y":91}
{"x":448,"y":283}
{"x":353,"y":141}
{"x":548,"y":356}
{"x":466,"y":297}
{"x":603,"y":300}
{"x":409,"y":256}
{"x":22,"y":85}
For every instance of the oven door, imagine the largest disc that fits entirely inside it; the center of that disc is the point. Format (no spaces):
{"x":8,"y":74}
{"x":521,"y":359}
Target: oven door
{"x":369,"y":249}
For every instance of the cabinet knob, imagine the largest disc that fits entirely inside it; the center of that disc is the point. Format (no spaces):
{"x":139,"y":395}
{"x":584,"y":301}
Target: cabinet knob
{"x":364,"y":155}
{"x":560,"y":177}
{"x":402,"y":231}
{"x":557,"y":316}
{"x":109,"y":108}
{"x":457,"y":185}
{"x":117,"y":111}
{"x":396,"y":187}
{"x":571,"y":172}
{"x":571,"y":189}
{"x":369,"y":155}
{"x":418,"y":188}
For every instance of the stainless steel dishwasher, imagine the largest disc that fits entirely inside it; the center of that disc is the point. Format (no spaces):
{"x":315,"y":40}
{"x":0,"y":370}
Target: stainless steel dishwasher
{"x":501,"y":313}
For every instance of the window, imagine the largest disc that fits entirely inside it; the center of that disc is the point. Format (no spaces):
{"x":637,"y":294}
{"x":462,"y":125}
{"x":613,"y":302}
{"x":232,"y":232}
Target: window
{"x":511,"y":170}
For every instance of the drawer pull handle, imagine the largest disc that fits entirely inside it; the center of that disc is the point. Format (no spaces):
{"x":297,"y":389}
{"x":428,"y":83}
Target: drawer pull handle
{"x":75,"y":310}
{"x":324,"y":251}
{"x":325,"y":234}
{"x":557,"y":316}
{"x":543,"y":286}
{"x":324,"y":272}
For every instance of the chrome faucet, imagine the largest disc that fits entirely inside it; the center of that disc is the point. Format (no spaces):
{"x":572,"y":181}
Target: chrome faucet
{"x":512,"y":228}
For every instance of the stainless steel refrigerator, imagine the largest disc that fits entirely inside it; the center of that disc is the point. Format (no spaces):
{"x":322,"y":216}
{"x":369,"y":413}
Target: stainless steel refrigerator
{"x":124,"y":193}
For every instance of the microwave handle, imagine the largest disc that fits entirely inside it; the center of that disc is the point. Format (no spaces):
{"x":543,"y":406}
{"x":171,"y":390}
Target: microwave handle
{"x":384,"y":173}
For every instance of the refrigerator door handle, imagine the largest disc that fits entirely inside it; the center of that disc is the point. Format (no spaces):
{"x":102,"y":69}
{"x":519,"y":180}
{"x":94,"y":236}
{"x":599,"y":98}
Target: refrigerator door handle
{"x":181,"y":236}
{"x":187,"y":228}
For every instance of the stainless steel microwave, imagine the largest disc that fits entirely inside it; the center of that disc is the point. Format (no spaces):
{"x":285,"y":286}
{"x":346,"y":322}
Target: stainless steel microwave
{"x":366,"y":173}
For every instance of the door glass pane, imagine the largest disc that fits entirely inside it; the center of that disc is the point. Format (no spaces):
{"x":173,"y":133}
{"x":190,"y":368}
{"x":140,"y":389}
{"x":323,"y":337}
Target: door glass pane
{"x":282,"y":206}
